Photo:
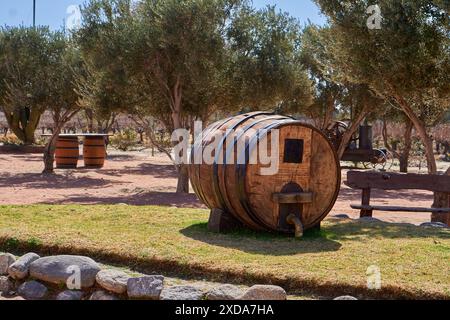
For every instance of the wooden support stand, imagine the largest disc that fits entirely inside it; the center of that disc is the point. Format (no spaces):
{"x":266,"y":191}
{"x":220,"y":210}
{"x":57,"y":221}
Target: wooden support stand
{"x":222,"y":222}
{"x":316,"y":228}
{"x":443,"y":217}
{"x":439,"y":184}
{"x":366,"y":202}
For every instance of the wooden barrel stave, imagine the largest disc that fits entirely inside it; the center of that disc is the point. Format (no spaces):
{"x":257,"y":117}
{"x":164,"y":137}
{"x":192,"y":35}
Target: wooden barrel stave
{"x":211,"y":182}
{"x":213,"y":177}
{"x":219,"y":183}
{"x":244,"y":184}
{"x":236,"y":192}
{"x":94,"y":152}
{"x":67,"y":153}
{"x":324,"y":174}
{"x":194,"y":169}
{"x":200,"y":174}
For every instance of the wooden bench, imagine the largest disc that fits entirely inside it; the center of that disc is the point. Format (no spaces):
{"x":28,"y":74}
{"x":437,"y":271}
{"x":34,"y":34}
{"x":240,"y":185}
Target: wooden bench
{"x":366,"y":181}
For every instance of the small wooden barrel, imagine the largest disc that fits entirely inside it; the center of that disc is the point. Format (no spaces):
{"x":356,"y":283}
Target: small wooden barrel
{"x":94,"y":152}
{"x":67,"y":153}
{"x":300,"y":193}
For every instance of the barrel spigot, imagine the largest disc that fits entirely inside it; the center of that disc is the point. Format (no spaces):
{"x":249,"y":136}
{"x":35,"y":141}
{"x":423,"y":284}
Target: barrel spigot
{"x":294,"y":220}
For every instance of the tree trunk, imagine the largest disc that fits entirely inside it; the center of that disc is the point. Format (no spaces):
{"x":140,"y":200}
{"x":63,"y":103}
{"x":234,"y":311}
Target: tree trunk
{"x":403,"y":155}
{"x":183,"y":178}
{"x":149,"y":130}
{"x":31,"y":126}
{"x":49,"y":152}
{"x":183,"y":171}
{"x":90,"y":120}
{"x":441,"y":200}
{"x":328,"y":112}
{"x":422,"y":132}
{"x":24,"y":129}
{"x":347,"y":136}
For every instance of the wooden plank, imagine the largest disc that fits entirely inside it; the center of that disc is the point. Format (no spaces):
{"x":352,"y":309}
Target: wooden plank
{"x":366,"y":203}
{"x":397,"y":181}
{"x":299,"y":197}
{"x":442,"y":199}
{"x":400,"y":209}
{"x":68,"y":135}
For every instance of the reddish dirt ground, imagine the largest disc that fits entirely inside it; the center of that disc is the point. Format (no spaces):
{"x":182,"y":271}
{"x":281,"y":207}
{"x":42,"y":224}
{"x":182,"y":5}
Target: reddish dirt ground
{"x":137,"y":178}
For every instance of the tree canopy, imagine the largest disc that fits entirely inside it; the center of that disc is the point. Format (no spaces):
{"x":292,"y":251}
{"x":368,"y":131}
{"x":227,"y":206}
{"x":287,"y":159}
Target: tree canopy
{"x":181,"y":60}
{"x":405,"y":62}
{"x":27,"y":61}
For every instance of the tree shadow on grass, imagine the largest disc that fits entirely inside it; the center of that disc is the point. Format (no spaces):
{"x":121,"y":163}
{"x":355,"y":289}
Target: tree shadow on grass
{"x":263,"y":242}
{"x":143,"y":169}
{"x":328,"y":239}
{"x":143,"y":199}
{"x":357,"y":230}
{"x":28,"y":157}
{"x":55,"y":181}
{"x":39,"y":181}
{"x":120,"y":157}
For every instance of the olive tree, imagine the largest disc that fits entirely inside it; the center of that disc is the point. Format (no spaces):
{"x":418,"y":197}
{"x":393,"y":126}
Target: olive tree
{"x":336,"y":98}
{"x":38,"y":73}
{"x":403,"y":58}
{"x":177,"y":61}
{"x":266,"y":69}
{"x":62,"y":100}
{"x":25,"y":61}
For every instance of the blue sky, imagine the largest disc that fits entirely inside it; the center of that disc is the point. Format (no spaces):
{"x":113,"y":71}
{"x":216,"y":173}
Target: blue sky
{"x":57,"y":12}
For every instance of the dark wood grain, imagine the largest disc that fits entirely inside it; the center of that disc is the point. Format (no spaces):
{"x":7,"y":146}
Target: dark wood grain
{"x":400,"y":209}
{"x":397,"y":181}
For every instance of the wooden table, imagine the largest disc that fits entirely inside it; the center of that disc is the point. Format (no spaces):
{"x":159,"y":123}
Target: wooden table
{"x":67,"y":150}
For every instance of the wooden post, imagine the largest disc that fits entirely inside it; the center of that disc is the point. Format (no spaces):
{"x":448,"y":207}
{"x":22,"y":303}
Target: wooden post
{"x":442,"y":217}
{"x":441,"y":200}
{"x":447,"y":215}
{"x":316,"y":228}
{"x":222,"y":222}
{"x":366,"y":202}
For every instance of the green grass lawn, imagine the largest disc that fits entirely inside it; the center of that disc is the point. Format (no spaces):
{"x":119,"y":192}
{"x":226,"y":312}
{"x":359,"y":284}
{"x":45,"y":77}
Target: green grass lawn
{"x":414,"y":262}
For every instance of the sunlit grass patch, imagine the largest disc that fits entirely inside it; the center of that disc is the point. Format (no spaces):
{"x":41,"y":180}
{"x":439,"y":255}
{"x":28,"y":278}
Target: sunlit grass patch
{"x":414,"y":261}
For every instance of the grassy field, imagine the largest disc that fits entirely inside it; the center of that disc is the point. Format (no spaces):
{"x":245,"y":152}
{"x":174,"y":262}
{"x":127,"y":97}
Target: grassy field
{"x":414,"y":262}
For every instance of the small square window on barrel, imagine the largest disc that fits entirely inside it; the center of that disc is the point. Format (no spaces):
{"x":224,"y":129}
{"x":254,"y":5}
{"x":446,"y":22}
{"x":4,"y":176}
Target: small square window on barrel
{"x":293,"y":151}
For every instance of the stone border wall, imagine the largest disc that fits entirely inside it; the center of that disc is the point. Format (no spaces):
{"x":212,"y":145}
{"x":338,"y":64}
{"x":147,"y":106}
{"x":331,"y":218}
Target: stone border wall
{"x":68,"y":277}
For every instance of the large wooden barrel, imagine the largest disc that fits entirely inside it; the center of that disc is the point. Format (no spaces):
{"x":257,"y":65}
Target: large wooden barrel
{"x":67,"y":152}
{"x":305,"y":186}
{"x":94,"y":152}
